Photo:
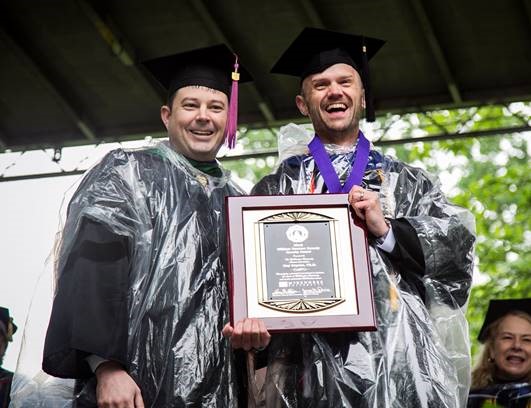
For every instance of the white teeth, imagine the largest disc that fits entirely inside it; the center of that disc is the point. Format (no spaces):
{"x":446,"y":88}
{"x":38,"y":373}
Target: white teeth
{"x":201,"y":132}
{"x":336,"y":106}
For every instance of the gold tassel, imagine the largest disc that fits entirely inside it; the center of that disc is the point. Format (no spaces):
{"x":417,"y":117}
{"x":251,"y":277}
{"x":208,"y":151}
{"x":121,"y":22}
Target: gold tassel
{"x":393,"y":297}
{"x":380,"y":175}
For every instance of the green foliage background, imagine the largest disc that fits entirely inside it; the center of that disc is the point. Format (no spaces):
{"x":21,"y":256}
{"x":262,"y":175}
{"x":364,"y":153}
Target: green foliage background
{"x":493,"y":181}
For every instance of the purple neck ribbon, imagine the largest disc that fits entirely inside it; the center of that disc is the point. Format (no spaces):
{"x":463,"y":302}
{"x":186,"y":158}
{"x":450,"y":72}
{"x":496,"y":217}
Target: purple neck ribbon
{"x":328,"y":172}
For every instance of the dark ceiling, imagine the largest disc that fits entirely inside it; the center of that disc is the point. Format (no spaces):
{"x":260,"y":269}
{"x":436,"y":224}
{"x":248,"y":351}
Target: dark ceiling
{"x":68,"y":71}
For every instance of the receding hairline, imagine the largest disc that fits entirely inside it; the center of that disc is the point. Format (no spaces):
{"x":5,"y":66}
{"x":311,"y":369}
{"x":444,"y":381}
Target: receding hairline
{"x":306,"y":80}
{"x":171,"y":98}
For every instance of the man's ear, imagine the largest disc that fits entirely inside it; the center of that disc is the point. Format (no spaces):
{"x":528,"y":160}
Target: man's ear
{"x":165,"y":113}
{"x":363,"y":104}
{"x":301,"y":104}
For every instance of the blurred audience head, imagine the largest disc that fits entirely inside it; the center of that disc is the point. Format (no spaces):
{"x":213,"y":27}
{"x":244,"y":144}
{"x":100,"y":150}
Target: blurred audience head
{"x":7,"y":329}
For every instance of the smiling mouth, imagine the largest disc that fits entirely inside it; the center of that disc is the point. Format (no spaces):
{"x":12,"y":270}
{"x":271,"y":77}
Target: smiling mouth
{"x":336,"y":107}
{"x":515,"y":359}
{"x":202,"y":132}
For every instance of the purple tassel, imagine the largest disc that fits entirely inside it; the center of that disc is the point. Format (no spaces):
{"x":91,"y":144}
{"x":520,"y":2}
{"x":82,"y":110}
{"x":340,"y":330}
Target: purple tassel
{"x":232,"y":119}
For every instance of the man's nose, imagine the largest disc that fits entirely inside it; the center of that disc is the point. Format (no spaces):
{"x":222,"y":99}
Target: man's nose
{"x":202,"y":114}
{"x":334,"y":90}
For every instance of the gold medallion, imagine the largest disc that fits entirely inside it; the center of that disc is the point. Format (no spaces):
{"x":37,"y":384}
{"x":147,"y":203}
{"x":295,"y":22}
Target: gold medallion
{"x":203,"y":180}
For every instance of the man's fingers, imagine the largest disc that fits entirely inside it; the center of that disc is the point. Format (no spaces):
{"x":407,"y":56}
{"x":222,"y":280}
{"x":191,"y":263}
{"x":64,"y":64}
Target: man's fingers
{"x":362,"y":206}
{"x":371,"y":212}
{"x":139,"y":401}
{"x":356,"y":197}
{"x":256,"y":335}
{"x":265,"y":337}
{"x":120,"y":402}
{"x":356,"y":193}
{"x":247,"y":334}
{"x":115,"y":388}
{"x":236,"y":338}
{"x":358,"y":209}
{"x":227,"y":330}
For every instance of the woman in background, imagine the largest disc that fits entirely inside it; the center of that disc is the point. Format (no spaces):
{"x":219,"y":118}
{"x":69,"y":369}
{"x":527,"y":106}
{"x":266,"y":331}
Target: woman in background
{"x":502,"y":377}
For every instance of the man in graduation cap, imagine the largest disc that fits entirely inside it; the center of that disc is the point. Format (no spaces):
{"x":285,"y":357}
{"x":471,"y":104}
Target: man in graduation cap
{"x":421,"y":250}
{"x":141,"y":296}
{"x":7,"y":329}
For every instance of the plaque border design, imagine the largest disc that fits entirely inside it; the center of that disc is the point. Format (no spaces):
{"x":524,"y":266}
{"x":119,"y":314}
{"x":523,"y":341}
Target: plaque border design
{"x":295,"y":305}
{"x":356,"y":311}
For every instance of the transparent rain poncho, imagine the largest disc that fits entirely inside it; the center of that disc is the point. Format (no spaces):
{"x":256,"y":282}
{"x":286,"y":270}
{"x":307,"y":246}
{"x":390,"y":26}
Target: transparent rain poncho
{"x":140,"y":279}
{"x":419,"y":356}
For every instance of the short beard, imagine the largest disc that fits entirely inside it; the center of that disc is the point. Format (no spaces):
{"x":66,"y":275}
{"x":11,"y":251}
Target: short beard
{"x":336,"y":135}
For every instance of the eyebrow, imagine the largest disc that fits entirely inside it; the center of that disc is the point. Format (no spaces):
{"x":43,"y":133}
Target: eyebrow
{"x":515,"y":334}
{"x":317,"y":80}
{"x":342,"y":77}
{"x":191,"y":99}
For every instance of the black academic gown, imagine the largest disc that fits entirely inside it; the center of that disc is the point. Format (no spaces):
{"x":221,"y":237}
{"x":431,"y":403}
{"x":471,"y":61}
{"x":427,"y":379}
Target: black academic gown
{"x":6,"y":377}
{"x":502,"y":395}
{"x":419,"y":355}
{"x":142,"y":280}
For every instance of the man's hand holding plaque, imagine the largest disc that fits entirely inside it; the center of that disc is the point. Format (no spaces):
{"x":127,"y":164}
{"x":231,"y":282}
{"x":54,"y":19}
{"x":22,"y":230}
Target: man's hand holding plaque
{"x":248,"y":334}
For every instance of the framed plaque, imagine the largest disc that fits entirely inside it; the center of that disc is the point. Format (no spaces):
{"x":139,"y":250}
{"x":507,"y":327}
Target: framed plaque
{"x":299,"y":262}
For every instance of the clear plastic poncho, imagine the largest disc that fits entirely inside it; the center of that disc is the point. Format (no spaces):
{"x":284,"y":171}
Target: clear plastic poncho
{"x":141,"y":279}
{"x":419,"y":356}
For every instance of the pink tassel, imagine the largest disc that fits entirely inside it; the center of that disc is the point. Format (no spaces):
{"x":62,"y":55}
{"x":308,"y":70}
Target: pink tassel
{"x":232,"y":119}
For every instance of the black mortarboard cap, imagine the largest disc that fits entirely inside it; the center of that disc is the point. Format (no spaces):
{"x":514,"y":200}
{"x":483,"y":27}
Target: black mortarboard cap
{"x":499,"y":308}
{"x":7,"y":326}
{"x":211,"y":67}
{"x":215,"y":67}
{"x":314,"y":50}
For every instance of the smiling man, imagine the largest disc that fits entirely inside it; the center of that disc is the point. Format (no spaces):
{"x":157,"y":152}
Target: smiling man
{"x":334,"y":101}
{"x":420,"y":248}
{"x":142,"y":295}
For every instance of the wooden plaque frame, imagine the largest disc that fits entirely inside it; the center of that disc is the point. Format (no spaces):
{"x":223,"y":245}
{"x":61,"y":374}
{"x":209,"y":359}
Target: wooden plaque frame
{"x":352,"y":307}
